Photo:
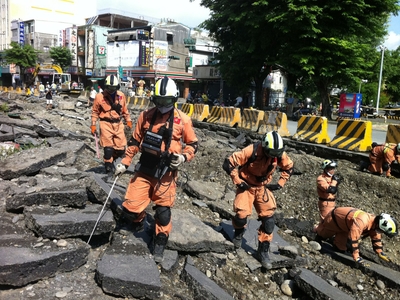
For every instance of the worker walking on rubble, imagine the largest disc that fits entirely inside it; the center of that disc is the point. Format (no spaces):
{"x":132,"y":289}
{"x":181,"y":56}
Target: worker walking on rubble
{"x":380,"y":159}
{"x":348,"y":223}
{"x":327,"y":187}
{"x":251,"y":170}
{"x":109,"y":108}
{"x":159,"y":135}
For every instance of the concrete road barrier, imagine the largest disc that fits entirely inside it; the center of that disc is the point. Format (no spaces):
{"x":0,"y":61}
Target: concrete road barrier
{"x":251,"y":119}
{"x":187,"y":108}
{"x":393,"y":133}
{"x":312,"y":129}
{"x":274,"y":120}
{"x":230,"y":116}
{"x":353,"y":135}
{"x":215,"y":114}
{"x":200,"y":112}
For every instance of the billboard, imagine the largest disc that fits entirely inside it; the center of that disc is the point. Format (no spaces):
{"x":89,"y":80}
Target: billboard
{"x":350,"y":105}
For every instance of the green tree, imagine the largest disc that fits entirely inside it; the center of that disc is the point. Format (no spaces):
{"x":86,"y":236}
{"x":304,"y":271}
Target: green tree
{"x":391,"y":75}
{"x":328,"y":42}
{"x":61,"y":56}
{"x":23,"y":56}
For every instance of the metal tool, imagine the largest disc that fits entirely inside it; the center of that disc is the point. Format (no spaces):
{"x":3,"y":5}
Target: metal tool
{"x":97,"y":145}
{"x":100,"y":215}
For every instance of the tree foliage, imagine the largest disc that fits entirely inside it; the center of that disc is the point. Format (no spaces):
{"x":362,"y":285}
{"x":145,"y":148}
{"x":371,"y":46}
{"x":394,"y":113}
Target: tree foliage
{"x":331,"y":43}
{"x":61,"y":56}
{"x":23,"y":56}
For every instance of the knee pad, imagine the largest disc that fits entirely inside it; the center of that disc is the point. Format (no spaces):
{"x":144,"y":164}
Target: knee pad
{"x":238,"y":222}
{"x":108,"y":152}
{"x":128,"y":215}
{"x":163,"y":215}
{"x":385,"y":166}
{"x":119,"y":153}
{"x":268,"y":224}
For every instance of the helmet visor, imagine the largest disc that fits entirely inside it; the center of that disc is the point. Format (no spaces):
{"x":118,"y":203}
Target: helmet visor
{"x":274,"y":152}
{"x":111,"y":88}
{"x":163,"y":101}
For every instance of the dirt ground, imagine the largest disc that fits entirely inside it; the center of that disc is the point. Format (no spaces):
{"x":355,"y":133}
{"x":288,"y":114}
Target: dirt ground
{"x":297,"y":200}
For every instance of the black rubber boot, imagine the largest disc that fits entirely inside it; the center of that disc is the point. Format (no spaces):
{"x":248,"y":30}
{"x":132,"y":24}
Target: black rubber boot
{"x":363,"y":166}
{"x":263,"y":256}
{"x":110,"y":169}
{"x":237,"y":238}
{"x":159,"y":245}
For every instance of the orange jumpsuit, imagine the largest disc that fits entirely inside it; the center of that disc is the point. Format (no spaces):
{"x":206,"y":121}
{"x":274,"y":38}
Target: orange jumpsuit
{"x":144,"y":188}
{"x":350,"y":223}
{"x":381,"y":154}
{"x":257,"y":174}
{"x":111,"y":127}
{"x":327,"y":200}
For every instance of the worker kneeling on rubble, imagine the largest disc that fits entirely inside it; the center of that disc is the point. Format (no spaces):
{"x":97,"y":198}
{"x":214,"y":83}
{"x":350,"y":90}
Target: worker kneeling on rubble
{"x":351,"y":223}
{"x":380,"y":159}
{"x":159,"y":135}
{"x":251,"y":170}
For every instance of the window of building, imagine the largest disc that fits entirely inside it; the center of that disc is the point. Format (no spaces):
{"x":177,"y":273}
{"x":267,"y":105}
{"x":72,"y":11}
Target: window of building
{"x":46,"y":48}
{"x":170,"y":38}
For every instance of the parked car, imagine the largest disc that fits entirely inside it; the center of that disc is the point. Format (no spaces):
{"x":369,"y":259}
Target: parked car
{"x":369,"y":112}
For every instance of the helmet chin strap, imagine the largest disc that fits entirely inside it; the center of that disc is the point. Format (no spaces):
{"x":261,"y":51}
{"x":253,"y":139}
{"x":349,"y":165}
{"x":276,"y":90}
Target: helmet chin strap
{"x":329,"y":174}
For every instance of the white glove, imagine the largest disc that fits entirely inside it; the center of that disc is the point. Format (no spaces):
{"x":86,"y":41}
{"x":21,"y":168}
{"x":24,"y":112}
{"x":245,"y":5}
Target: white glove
{"x":176,"y":160}
{"x":119,"y":169}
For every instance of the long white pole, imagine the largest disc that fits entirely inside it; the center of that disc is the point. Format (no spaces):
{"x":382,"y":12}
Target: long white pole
{"x":380,"y":79}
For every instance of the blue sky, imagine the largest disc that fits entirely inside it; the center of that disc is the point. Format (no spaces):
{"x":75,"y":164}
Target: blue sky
{"x":393,"y":38}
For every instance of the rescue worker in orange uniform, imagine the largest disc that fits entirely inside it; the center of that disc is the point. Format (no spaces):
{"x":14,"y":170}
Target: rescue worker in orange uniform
{"x":381,"y":157}
{"x":327,"y":188}
{"x":251,"y":170}
{"x":109,"y":107}
{"x":351,"y":223}
{"x":158,"y":135}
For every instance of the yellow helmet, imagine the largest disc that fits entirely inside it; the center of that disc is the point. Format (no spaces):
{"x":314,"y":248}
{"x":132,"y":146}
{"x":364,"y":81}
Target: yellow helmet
{"x":111,"y":84}
{"x":165,"y":92}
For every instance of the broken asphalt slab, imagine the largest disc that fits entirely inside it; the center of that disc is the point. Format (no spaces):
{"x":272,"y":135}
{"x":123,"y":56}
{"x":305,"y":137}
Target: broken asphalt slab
{"x":33,"y":160}
{"x":26,"y":260}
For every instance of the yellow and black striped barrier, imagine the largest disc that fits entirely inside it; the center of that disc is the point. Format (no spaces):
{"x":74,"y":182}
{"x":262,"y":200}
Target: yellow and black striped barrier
{"x":274,"y":120}
{"x":312,"y":129}
{"x":353,"y":135}
{"x":230,"y":116}
{"x":251,"y":119}
{"x":215,"y":114}
{"x":393,"y":134}
{"x":200,"y":112}
{"x":187,"y":108}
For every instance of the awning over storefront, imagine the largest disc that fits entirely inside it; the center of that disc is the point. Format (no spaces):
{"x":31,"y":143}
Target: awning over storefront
{"x":153,"y":74}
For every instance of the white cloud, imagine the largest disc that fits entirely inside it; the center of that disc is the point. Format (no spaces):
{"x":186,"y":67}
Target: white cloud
{"x":392,"y":40}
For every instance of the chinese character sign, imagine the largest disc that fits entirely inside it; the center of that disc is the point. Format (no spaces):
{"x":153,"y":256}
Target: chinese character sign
{"x":144,"y":54}
{"x":160,"y":55}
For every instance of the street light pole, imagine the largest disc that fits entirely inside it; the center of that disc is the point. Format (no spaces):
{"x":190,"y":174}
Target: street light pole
{"x":380,"y":78}
{"x":362,"y":81}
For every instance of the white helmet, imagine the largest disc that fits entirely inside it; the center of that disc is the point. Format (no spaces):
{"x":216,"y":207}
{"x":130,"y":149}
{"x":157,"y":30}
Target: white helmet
{"x":272,"y":144}
{"x":165,"y":92}
{"x":111,"y":84}
{"x":387,"y":224}
{"x":328,"y":163}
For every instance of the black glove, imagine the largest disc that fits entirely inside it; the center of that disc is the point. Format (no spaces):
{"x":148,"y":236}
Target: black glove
{"x":273,"y":187}
{"x":337,"y":178}
{"x":243,"y":185}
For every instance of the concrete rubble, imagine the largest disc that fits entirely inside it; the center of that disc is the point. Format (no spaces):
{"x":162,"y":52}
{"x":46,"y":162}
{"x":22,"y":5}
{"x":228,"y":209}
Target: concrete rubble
{"x":50,"y":209}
